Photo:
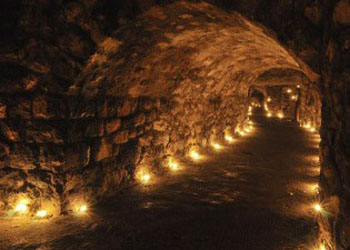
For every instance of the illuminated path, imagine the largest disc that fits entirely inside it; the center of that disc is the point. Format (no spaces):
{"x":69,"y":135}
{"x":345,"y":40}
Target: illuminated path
{"x":251,"y":195}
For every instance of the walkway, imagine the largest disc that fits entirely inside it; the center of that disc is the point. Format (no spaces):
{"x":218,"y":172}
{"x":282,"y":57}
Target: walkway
{"x":255,"y":194}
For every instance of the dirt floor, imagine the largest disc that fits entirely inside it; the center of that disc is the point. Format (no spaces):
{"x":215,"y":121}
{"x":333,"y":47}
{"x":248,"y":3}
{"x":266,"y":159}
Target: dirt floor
{"x":255,"y":194}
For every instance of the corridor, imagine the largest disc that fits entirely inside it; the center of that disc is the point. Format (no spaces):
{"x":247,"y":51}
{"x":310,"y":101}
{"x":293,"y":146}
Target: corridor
{"x":256,"y":193}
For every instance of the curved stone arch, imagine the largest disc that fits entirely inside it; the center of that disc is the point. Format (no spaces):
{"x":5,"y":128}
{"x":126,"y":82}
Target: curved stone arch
{"x":172,"y":45}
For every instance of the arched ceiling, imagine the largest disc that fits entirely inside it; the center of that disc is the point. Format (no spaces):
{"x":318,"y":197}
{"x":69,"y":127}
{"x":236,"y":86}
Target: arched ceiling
{"x":180,"y":44}
{"x":279,"y":76}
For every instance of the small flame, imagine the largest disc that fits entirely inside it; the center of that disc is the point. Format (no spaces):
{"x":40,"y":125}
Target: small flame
{"x":216,"y":146}
{"x":41,"y":213}
{"x":173,"y":165}
{"x":318,"y":207}
{"x":229,"y":138}
{"x":194,"y":155}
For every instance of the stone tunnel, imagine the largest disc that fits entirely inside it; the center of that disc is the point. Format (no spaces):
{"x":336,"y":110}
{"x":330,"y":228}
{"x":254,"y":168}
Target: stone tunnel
{"x":99,"y":96}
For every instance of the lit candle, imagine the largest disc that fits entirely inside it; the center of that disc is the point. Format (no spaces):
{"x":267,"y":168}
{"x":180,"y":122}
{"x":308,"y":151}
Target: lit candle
{"x":229,"y":138}
{"x":173,"y":165}
{"x":216,"y":146}
{"x":22,"y":206}
{"x":41,"y":213}
{"x":194,"y":155}
{"x":318,"y":207}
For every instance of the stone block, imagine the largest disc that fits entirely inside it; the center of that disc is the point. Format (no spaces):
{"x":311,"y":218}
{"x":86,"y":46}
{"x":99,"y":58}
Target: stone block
{"x":40,"y":108}
{"x":9,"y":132}
{"x":125,"y":108}
{"x":45,"y":131}
{"x":2,"y":110}
{"x":103,"y":149}
{"x":94,"y":129}
{"x":102,"y":109}
{"x":139,"y":119}
{"x":121,"y":137}
{"x":51,"y":157}
{"x":112,"y":125}
{"x":4,"y":155}
{"x":23,"y":156}
{"x":160,"y":126}
{"x":82,"y":108}
{"x":77,"y":156}
{"x":132,"y":133}
{"x":20,"y":108}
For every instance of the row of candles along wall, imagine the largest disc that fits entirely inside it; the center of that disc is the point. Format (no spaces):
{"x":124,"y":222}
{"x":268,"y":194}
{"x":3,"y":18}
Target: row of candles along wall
{"x":144,"y":177}
{"x":22,"y":206}
{"x":280,"y":113}
{"x":313,"y":188}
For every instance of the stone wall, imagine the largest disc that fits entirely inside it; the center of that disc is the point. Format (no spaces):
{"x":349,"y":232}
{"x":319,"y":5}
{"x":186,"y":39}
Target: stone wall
{"x":309,"y":106}
{"x":85,"y":100}
{"x":335,"y":129}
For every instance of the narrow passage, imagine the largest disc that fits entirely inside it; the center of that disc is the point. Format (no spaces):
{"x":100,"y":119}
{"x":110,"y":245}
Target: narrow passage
{"x":254,"y":194}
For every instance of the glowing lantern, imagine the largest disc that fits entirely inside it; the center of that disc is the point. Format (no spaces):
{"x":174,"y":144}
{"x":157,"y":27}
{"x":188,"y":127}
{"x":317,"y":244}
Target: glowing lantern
{"x":312,"y":129}
{"x":280,"y":115}
{"x":307,"y":125}
{"x":269,"y":114}
{"x":269,"y":99}
{"x":41,"y":213}
{"x":298,"y":86}
{"x":294,"y":97}
{"x":289,"y":91}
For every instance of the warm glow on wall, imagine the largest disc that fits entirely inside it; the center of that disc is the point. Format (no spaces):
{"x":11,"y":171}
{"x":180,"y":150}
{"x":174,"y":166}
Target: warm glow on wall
{"x":229,"y":138}
{"x":143,"y":176}
{"x":216,"y":146}
{"x":22,"y":206}
{"x":280,"y":115}
{"x":307,"y":125}
{"x":322,"y":247}
{"x":41,"y":213}
{"x":173,"y":165}
{"x":269,"y":114}
{"x":266,"y":107}
{"x":318,"y":207}
{"x":194,"y":154}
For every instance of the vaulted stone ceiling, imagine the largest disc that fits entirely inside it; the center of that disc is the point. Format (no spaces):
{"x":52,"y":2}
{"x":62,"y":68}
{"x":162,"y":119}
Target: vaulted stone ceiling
{"x":168,"y":47}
